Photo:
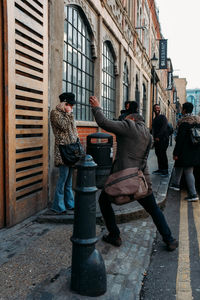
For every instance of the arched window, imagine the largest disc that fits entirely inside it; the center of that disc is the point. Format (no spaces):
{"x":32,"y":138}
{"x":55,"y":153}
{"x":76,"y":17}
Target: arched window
{"x":125,"y":83}
{"x":78,"y":65}
{"x":108,"y":81}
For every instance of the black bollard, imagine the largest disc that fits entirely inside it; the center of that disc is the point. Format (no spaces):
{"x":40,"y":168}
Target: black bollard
{"x":88,"y":275}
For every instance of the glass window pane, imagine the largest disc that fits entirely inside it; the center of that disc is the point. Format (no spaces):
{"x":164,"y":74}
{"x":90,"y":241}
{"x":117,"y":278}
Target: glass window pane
{"x":79,"y":41}
{"x":79,"y":24}
{"x":70,"y":14}
{"x":75,"y":58}
{"x":78,"y":112}
{"x":83,"y":96}
{"x":83,"y":64}
{"x":87,"y":82}
{"x":87,"y":113}
{"x":64,"y":86}
{"x":79,"y":60}
{"x":64,"y":71}
{"x":65,"y":31}
{"x":79,"y":77}
{"x":74,"y":75}
{"x":83,"y":80}
{"x":75,"y":18}
{"x":65,"y":52}
{"x":69,"y":54}
{"x":69,"y":38}
{"x":75,"y":39}
{"x":69,"y":87}
{"x":69,"y":73}
{"x":83,"y":45}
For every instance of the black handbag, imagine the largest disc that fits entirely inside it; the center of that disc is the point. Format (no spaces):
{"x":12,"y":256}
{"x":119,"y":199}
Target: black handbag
{"x":71,"y":153}
{"x":195,"y":135}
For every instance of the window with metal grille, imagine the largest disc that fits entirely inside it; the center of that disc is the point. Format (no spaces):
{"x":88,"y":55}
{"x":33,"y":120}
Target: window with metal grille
{"x":108,"y":82}
{"x":125,"y":83}
{"x":78,"y":65}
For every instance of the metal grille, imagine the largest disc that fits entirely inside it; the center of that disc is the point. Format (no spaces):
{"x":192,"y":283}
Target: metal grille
{"x":78,"y":66}
{"x":108,"y":82}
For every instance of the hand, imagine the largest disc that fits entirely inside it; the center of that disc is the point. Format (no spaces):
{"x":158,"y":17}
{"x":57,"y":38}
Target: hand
{"x":94,"y":102}
{"x":175,"y":157}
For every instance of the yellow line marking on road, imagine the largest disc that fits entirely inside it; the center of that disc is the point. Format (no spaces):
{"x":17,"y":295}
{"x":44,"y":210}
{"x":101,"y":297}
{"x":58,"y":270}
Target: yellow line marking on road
{"x":183,"y":283}
{"x":196,"y":213}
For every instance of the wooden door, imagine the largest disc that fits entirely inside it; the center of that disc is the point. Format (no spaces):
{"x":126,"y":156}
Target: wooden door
{"x":26,"y":109}
{"x":2,"y":199}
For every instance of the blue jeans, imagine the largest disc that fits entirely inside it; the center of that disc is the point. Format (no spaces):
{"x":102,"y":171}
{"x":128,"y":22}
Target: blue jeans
{"x":148,"y":203}
{"x":64,"y":197}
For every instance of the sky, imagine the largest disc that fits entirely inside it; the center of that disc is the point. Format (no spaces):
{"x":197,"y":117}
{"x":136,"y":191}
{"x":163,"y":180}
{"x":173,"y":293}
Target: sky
{"x":180,"y":25}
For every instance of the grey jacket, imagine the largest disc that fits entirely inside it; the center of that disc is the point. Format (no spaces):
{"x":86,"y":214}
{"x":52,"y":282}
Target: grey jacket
{"x":132,"y":142}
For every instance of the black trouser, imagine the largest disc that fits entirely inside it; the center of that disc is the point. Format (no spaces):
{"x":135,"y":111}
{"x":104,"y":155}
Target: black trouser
{"x":148,"y":203}
{"x":161,"y":153}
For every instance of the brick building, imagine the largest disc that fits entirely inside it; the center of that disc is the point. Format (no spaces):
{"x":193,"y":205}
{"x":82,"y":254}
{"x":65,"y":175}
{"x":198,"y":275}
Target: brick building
{"x":101,"y":47}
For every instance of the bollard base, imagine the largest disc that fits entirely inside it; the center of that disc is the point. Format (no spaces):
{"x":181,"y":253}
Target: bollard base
{"x":89,"y":277}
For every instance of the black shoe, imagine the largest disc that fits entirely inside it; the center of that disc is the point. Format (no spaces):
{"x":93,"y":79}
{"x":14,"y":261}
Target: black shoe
{"x":157,"y":172}
{"x":70,"y":208}
{"x":164,"y":173}
{"x":171,"y":246}
{"x":115,"y":241}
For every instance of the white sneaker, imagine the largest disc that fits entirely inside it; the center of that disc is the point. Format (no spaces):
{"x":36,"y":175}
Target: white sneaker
{"x":192,"y":198}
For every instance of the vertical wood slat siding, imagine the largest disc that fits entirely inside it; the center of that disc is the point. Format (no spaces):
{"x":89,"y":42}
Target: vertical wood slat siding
{"x":1,"y":123}
{"x":27,"y":115}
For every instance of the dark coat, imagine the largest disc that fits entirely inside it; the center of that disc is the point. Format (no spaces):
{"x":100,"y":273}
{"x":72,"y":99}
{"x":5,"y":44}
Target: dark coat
{"x":160,"y":128}
{"x":132,"y":142}
{"x":188,"y":154}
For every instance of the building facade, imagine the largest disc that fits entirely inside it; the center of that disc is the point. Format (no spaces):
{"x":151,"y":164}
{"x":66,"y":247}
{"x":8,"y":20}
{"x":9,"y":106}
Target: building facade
{"x":193,"y":96}
{"x":101,"y":47}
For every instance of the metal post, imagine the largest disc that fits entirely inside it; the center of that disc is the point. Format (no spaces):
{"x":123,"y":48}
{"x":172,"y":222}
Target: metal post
{"x":88,"y":276}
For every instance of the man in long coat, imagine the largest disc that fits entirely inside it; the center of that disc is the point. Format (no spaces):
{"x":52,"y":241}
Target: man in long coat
{"x":133,"y":139}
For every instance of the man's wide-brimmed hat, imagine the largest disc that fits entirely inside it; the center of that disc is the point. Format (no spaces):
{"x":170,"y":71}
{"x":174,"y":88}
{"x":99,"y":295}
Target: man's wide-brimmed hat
{"x":68,"y":98}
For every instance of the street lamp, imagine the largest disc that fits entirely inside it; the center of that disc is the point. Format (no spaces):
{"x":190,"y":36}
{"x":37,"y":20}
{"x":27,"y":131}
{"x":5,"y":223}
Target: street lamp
{"x":154,"y":60}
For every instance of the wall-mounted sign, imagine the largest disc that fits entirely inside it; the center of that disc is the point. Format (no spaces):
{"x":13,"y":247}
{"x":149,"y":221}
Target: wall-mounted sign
{"x":169,"y":80}
{"x":174,"y":96}
{"x":162,"y":54}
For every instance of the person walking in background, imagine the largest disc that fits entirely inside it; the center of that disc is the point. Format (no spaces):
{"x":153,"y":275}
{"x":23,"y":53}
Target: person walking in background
{"x":65,"y":132}
{"x":131,"y":107}
{"x":185,"y":154}
{"x":133,"y":145}
{"x":160,"y":133}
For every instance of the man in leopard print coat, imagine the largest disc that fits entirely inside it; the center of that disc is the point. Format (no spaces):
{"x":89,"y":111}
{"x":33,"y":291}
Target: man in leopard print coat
{"x":65,"y":132}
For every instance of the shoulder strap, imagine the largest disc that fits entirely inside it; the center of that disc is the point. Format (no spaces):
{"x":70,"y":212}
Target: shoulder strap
{"x":146,"y":153}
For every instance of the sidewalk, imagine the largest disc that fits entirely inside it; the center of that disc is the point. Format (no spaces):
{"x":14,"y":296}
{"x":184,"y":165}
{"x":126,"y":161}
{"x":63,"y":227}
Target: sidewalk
{"x":128,"y":212}
{"x":35,"y":257}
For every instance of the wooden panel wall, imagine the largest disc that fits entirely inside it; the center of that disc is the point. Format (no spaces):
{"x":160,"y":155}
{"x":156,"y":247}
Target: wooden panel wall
{"x":27,"y":108}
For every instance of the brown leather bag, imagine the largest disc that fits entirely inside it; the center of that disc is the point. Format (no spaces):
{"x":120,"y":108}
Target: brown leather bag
{"x":126,"y":185}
